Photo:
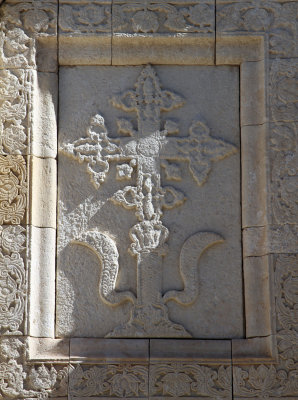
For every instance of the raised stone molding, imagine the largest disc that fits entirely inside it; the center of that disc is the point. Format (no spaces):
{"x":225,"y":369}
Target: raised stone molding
{"x":248,"y":33}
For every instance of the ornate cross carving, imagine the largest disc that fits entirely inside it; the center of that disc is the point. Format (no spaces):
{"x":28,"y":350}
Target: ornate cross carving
{"x":145,"y":151}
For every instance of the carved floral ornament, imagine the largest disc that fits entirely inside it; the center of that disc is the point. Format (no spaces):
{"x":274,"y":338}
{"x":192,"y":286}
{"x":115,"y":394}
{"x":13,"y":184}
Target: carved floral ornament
{"x":14,"y":97}
{"x":21,"y":24}
{"x":145,"y":151}
{"x":138,"y":16}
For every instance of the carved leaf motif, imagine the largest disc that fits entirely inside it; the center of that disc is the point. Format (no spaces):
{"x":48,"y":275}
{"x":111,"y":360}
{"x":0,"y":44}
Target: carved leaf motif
{"x":16,"y":48}
{"x":162,"y":17}
{"x":127,"y":197}
{"x":148,"y":236}
{"x":145,"y":21}
{"x":176,"y":384}
{"x":42,"y":378}
{"x":13,"y":110}
{"x":88,"y":383}
{"x":172,"y":170}
{"x":285,"y":172}
{"x":125,"y":127}
{"x":262,"y":377}
{"x":194,"y":380}
{"x":124,"y":385}
{"x":12,"y":238}
{"x":202,"y":149}
{"x":13,"y":189}
{"x":283,"y":86}
{"x":85,"y":18}
{"x":94,"y":150}
{"x":172,"y":197}
{"x":12,"y":292}
{"x":171,"y":127}
{"x":201,"y":15}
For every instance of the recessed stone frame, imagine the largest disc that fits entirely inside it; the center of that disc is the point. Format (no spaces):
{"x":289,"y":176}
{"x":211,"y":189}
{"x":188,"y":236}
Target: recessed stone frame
{"x":247,"y":52}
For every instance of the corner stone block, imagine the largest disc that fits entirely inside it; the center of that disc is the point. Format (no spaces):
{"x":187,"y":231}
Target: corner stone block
{"x":41,"y":349}
{"x":258,"y":349}
{"x":238,"y":49}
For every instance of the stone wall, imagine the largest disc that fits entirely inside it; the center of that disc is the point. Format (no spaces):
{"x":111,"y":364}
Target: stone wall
{"x":168,"y":128}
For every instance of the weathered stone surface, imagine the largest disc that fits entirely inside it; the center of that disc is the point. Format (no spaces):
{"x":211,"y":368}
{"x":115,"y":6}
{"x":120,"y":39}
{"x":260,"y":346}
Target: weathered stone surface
{"x":195,"y":166}
{"x":43,"y":192}
{"x":190,"y":380}
{"x":42,"y":282}
{"x":163,"y":16}
{"x":13,"y":195}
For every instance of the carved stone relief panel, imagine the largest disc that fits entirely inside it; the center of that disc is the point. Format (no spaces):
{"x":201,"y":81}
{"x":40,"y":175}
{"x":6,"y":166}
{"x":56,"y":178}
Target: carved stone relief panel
{"x":148,"y":162}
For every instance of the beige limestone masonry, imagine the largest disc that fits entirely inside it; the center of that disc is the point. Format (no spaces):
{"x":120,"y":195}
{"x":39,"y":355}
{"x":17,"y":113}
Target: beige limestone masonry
{"x":40,"y":38}
{"x":199,"y":188}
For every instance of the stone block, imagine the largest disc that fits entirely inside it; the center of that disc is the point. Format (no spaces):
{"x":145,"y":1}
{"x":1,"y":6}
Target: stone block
{"x":171,"y":350}
{"x":48,"y":349}
{"x":43,"y":193}
{"x":43,"y":140}
{"x":198,"y":170}
{"x":254,"y":175}
{"x":252,"y":86}
{"x":257,"y":350}
{"x":236,"y":49}
{"x":258,"y":302}
{"x":109,"y":350}
{"x":90,"y":50}
{"x":181,"y":49}
{"x":42,"y":243}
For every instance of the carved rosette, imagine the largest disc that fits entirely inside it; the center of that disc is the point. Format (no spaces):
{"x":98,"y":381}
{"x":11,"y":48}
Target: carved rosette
{"x":84,"y":18}
{"x":154,"y":16}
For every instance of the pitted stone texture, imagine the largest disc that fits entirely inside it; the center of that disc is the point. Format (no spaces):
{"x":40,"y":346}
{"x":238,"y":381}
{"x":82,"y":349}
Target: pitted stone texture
{"x":198,"y":191}
{"x":163,"y":17}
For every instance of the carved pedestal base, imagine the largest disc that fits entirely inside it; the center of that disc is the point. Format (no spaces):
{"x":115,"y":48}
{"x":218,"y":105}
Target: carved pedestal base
{"x":150,"y":321}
